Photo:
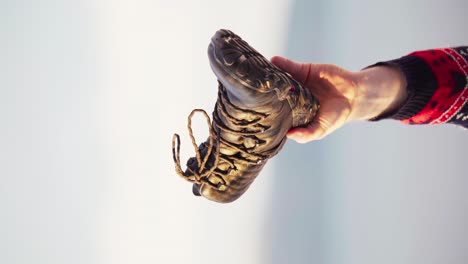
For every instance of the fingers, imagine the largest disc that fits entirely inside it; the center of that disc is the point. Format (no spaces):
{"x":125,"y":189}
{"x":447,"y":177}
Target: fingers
{"x":298,"y":71}
{"x":332,"y":85}
{"x":304,"y":135}
{"x":333,"y":115}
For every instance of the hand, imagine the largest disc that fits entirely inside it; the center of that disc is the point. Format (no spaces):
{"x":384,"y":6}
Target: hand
{"x":344,"y":95}
{"x":335,"y":88}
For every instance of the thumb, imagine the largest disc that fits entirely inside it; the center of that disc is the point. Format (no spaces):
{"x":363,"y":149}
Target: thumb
{"x":298,"y":71}
{"x":314,"y":131}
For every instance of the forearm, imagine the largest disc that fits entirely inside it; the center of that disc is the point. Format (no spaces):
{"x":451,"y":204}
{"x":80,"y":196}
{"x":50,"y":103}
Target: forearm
{"x":380,"y":90}
{"x":424,"y":87}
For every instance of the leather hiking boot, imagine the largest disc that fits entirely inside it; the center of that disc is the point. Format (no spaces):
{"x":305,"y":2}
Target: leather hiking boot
{"x":257,"y":104}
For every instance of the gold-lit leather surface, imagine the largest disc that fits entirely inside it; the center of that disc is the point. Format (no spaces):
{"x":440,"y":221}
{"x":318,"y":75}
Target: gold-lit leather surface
{"x":257,"y":104}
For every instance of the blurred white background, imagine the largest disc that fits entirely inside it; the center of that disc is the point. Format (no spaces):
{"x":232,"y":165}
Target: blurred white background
{"x":92,"y":91}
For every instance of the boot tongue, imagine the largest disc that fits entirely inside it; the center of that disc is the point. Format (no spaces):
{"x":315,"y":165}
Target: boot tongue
{"x":193,"y":164}
{"x":196,"y":189}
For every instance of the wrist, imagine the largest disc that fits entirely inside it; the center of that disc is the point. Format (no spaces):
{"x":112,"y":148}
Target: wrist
{"x":380,"y":90}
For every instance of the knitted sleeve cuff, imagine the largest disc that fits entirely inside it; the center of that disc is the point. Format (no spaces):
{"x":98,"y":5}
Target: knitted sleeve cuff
{"x":421,"y":84}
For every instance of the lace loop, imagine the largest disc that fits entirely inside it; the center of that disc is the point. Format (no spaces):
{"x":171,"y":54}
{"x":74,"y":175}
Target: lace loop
{"x":198,"y":175}
{"x":243,"y":154}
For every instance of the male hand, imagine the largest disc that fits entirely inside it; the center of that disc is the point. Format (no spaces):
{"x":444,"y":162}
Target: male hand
{"x":344,"y":95}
